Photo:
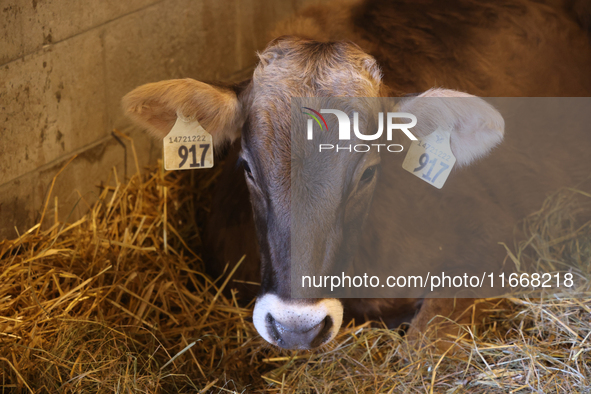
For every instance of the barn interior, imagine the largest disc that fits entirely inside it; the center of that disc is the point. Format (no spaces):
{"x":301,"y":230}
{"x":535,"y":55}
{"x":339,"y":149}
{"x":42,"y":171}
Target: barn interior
{"x":102,"y":278}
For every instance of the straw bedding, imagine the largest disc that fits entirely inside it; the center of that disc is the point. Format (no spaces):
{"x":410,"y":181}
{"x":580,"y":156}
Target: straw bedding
{"x":117,"y":302}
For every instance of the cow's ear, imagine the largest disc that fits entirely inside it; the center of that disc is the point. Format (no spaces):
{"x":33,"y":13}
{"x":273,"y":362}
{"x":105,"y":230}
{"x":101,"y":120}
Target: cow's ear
{"x":155,"y":106}
{"x":476,"y":126}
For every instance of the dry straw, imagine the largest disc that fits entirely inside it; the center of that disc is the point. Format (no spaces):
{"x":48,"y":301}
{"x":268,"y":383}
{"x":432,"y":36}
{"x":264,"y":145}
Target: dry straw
{"x":117,"y":302}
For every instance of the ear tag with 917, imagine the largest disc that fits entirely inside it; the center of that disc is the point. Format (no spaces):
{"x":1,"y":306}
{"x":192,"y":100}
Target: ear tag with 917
{"x":187,"y":146}
{"x":431,"y":158}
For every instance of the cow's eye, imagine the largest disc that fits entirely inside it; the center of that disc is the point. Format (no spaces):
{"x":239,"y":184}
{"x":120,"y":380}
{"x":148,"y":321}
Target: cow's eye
{"x":247,"y":169}
{"x":368,"y":174}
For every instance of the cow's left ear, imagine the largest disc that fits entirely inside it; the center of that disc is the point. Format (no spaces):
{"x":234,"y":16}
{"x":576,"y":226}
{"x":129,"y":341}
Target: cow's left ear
{"x":476,"y":126}
{"x":155,"y":106}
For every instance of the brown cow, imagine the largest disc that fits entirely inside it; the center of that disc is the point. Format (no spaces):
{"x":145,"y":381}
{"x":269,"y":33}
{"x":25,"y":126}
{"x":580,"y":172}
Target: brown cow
{"x":485,"y":48}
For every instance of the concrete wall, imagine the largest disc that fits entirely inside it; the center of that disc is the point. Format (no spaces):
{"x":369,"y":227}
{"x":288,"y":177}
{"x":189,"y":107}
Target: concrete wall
{"x":64,"y":66}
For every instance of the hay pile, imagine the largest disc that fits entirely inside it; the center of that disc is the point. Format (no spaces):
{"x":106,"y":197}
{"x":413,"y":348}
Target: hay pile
{"x":117,"y":302}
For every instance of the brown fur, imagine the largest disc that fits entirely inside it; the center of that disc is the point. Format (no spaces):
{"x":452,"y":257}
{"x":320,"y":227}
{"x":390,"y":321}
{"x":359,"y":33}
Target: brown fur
{"x":486,"y":48}
{"x":483,"y":47}
{"x":509,"y":48}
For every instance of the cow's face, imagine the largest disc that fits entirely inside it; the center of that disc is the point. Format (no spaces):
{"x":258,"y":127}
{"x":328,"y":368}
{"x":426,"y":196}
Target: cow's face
{"x":326,"y":211}
{"x":315,"y":210}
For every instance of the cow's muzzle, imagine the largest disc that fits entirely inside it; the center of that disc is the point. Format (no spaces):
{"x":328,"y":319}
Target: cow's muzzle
{"x":297,"y":324}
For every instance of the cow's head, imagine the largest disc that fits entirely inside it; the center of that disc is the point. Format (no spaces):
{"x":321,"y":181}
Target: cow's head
{"x":260,"y":113}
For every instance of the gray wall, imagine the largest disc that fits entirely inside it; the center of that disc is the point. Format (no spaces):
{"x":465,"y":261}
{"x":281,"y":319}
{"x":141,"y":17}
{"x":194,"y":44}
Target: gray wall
{"x":65,"y":64}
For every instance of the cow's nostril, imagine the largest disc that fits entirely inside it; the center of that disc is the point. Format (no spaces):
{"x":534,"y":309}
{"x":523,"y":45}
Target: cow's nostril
{"x":324,"y":333}
{"x":298,"y":335}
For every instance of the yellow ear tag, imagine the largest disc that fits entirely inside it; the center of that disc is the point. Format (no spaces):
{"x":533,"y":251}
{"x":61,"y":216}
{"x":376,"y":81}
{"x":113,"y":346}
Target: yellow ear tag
{"x":431,"y":158}
{"x":187,"y":146}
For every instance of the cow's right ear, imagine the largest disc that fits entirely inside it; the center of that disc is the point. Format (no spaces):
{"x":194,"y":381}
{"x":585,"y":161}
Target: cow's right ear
{"x":155,"y":106}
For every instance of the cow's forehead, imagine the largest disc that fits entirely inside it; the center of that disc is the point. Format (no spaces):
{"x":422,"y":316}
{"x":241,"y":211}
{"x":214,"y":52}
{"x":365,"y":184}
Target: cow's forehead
{"x":294,"y":67}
